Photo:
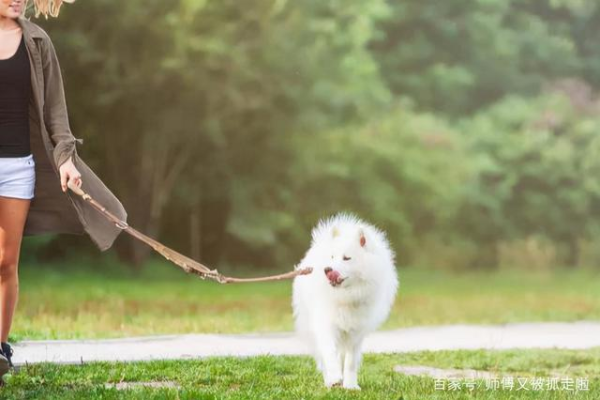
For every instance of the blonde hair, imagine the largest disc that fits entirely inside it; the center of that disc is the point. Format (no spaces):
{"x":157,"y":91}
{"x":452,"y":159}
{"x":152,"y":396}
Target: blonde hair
{"x":47,"y":7}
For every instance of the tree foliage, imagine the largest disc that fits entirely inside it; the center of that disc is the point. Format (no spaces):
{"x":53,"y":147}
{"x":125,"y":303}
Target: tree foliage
{"x":229,"y":128}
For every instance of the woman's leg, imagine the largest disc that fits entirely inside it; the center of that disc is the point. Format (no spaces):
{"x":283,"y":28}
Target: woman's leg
{"x":13,"y":214}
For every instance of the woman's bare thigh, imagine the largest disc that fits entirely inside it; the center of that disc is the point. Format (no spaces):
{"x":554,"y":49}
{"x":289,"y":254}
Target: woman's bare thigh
{"x":13,"y":213}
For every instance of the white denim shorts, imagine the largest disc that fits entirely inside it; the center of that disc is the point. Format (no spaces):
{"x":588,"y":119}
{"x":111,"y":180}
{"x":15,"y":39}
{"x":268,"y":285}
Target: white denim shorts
{"x":17,"y":177}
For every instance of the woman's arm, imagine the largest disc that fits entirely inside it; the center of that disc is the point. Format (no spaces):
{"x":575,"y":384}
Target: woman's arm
{"x":56,"y":117}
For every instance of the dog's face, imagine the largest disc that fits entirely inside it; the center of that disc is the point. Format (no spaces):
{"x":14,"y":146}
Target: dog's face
{"x":347,"y":252}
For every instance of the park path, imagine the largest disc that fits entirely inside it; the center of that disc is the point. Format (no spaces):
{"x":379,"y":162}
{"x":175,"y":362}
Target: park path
{"x":574,"y":335}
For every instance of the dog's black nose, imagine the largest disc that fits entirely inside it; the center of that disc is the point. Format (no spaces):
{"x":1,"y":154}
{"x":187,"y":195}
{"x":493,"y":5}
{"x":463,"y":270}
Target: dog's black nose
{"x":328,"y":270}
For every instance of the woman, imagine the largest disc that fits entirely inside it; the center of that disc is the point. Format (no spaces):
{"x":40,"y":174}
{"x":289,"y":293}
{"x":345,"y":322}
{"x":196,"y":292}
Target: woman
{"x":38,"y":156}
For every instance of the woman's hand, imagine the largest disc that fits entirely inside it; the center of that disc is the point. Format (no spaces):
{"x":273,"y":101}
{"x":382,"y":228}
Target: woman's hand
{"x":68,"y":172}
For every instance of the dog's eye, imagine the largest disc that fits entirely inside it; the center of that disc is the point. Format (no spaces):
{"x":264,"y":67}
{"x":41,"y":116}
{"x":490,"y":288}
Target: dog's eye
{"x":346,"y":258}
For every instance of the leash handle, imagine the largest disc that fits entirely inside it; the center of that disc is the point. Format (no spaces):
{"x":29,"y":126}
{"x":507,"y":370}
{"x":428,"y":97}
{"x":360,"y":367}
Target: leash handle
{"x":75,"y":188}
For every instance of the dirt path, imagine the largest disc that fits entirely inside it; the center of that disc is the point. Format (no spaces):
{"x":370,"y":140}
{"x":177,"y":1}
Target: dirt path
{"x":575,"y":335}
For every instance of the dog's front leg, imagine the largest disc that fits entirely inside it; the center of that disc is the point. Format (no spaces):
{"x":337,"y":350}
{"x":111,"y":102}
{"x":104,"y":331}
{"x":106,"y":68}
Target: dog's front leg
{"x":351,"y":364}
{"x":331,"y":358}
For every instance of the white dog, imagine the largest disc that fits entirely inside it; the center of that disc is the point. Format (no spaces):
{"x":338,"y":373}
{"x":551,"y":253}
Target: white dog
{"x":349,"y":294}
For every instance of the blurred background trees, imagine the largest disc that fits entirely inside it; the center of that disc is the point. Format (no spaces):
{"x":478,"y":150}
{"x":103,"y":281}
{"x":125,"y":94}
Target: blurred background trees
{"x":468,"y":130}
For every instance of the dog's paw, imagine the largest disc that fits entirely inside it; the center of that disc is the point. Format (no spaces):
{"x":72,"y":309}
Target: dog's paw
{"x":334,"y":384}
{"x":351,"y":386}
{"x":333,"y":381}
{"x":332,"y":378}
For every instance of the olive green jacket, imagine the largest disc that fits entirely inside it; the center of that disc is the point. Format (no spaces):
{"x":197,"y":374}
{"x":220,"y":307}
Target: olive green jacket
{"x":52,"y":143}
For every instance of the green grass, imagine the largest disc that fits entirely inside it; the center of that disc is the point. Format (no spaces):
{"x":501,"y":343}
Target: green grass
{"x":297,"y":378}
{"x":99,"y":300}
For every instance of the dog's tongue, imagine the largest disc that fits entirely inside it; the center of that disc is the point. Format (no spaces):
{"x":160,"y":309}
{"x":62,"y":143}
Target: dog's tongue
{"x":333,"y":276}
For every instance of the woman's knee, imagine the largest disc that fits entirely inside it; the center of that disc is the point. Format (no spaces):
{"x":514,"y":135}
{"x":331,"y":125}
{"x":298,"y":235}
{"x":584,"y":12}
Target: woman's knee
{"x":8,"y":264}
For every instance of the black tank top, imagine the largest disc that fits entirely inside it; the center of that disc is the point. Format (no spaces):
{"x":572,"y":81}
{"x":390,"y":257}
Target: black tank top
{"x":15,"y":88}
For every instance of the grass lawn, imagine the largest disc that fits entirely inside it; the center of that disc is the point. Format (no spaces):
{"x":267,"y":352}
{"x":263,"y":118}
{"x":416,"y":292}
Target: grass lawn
{"x":297,"y":378}
{"x":100,"y":300}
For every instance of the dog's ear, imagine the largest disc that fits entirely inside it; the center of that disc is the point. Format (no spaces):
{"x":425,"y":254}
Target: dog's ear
{"x":335,"y":232}
{"x":362,"y":237}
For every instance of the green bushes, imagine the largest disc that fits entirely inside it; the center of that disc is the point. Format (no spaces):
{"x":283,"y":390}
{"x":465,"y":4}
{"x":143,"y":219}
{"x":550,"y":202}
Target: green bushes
{"x":537,"y":164}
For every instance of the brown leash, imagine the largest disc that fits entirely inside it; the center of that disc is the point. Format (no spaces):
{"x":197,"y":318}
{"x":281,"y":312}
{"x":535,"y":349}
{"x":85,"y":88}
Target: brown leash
{"x":187,"y":264}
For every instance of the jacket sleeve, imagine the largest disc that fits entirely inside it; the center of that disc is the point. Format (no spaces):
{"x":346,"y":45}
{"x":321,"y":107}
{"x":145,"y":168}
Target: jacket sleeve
{"x":56,"y":118}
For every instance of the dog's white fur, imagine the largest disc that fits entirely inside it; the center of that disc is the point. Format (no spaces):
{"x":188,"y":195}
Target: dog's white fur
{"x":336,"y":319}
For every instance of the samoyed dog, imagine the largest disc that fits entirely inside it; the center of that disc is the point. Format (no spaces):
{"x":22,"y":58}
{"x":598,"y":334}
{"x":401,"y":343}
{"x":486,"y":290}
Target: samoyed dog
{"x":348,"y":295}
